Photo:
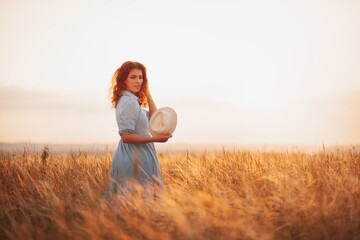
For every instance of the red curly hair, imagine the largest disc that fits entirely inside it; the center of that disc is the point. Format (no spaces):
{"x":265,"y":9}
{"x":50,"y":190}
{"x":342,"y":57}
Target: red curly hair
{"x":118,"y":83}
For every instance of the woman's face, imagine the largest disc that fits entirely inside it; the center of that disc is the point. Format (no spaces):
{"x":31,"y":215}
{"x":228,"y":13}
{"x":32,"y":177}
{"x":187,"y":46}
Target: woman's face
{"x":134,"y":81}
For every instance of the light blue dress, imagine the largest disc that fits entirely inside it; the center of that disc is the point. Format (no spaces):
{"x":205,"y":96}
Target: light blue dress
{"x":133,"y":163}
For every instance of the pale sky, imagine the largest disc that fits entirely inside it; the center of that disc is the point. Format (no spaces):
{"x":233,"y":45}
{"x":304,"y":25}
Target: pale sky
{"x":239,"y":72}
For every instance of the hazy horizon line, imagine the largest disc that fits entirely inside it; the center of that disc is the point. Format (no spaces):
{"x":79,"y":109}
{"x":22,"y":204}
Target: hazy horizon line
{"x":170,"y":147}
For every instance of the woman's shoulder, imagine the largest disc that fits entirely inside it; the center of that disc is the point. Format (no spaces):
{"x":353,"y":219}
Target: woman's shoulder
{"x":127,"y":101}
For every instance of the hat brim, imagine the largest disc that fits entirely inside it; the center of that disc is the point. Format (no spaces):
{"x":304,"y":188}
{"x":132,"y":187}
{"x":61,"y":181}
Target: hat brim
{"x":170,"y":121}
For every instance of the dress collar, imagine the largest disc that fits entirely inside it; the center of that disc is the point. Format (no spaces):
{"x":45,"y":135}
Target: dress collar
{"x":127,"y":93}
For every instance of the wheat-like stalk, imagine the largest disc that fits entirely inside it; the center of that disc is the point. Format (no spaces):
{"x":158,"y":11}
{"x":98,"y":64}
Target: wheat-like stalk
{"x":223,"y":195}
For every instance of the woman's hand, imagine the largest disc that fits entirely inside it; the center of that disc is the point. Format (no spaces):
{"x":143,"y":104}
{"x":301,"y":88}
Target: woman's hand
{"x":147,"y":92}
{"x":162,"y":138}
{"x":151,"y":103}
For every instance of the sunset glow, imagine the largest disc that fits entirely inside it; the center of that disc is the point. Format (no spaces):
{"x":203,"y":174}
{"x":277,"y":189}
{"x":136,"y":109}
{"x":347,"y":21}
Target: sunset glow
{"x":236,"y":72}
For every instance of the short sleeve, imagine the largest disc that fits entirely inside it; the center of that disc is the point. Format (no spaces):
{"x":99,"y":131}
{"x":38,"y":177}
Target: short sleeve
{"x":127,"y":112}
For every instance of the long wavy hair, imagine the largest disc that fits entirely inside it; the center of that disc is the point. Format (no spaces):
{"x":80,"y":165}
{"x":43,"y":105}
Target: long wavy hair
{"x":118,"y":83}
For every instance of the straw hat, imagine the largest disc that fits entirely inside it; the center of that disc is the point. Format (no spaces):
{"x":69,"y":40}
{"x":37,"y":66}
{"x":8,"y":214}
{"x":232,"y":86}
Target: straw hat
{"x":163,"y":121}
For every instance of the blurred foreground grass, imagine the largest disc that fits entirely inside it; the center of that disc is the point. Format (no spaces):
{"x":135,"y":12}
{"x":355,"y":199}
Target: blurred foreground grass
{"x":223,"y":195}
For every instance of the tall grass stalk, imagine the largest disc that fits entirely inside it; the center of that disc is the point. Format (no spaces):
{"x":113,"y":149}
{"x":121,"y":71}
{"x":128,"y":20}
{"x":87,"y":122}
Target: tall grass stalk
{"x":224,"y":195}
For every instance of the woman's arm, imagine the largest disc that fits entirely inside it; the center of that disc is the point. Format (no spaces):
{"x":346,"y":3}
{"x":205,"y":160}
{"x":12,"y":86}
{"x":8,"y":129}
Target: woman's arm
{"x":136,"y":138}
{"x":152,"y":106}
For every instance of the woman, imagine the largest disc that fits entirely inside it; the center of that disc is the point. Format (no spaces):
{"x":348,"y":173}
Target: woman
{"x":135,"y":162}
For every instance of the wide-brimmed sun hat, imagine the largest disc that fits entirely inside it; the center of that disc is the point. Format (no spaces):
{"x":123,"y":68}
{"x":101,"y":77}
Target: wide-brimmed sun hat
{"x":163,"y":121}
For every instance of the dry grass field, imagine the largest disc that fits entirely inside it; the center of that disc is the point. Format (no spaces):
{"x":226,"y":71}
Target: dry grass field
{"x":229,"y":194}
